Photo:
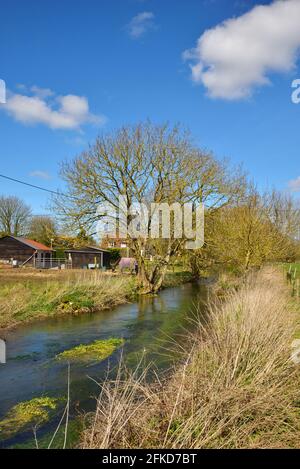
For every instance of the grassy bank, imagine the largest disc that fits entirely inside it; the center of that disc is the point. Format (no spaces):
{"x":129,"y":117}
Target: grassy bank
{"x":24,"y":299}
{"x":236,"y":386}
{"x":31,"y":295}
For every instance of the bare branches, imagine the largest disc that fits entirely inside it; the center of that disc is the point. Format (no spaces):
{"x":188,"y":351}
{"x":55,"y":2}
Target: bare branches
{"x":14,"y":216}
{"x":146,"y":163}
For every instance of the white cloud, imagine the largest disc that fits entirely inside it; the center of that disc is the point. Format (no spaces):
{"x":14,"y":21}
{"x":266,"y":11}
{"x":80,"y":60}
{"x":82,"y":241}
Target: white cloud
{"x":40,"y":174}
{"x":141,"y":24}
{"x":239,"y":54}
{"x":62,"y":112}
{"x":294,"y":185}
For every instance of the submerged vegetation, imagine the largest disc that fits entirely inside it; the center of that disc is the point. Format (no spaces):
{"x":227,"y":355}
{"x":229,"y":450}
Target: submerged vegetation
{"x":236,"y":386}
{"x":98,"y":350}
{"x":28,"y":414}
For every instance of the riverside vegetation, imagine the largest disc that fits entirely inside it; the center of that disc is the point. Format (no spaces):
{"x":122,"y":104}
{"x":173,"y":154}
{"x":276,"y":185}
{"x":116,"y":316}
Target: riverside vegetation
{"x":28,"y":414}
{"x":28,"y":296}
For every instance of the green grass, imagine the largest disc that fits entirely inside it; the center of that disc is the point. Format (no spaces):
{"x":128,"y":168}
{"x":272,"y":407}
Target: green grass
{"x":25,"y":300}
{"x":174,"y":279}
{"x":292,"y":267}
{"x":98,"y":350}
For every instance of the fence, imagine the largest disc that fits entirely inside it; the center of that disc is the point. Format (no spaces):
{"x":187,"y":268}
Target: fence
{"x":57,"y":263}
{"x":293,"y":280}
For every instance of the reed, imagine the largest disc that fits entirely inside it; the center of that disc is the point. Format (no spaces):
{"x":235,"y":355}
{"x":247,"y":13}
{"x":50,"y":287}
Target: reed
{"x":236,"y":386}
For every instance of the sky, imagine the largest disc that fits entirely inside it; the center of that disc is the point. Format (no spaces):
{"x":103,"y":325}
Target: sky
{"x":75,"y":69}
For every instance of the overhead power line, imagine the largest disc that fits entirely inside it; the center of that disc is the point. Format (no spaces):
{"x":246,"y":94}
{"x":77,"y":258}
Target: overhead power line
{"x":38,"y":187}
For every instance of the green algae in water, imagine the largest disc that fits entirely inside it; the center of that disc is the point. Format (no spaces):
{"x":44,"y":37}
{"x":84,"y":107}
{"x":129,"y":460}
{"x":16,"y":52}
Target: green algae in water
{"x":28,"y":413}
{"x":98,"y":350}
{"x":75,"y":429}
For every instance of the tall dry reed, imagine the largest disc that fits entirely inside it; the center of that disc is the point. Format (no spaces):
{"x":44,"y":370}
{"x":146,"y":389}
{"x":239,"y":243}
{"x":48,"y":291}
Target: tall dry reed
{"x":235,"y":388}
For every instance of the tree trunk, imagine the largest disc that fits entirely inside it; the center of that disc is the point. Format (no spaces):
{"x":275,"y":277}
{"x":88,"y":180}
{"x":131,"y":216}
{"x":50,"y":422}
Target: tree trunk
{"x":247,"y":261}
{"x":151,"y":282}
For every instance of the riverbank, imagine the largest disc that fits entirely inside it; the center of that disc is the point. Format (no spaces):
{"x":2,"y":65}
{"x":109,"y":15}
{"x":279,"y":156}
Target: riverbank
{"x":236,"y":386}
{"x":32,"y":295}
{"x":148,"y":327}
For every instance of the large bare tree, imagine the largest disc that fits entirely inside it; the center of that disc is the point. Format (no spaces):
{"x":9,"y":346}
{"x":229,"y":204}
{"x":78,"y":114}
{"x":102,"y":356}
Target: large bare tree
{"x":146,"y":163}
{"x":14,"y":216}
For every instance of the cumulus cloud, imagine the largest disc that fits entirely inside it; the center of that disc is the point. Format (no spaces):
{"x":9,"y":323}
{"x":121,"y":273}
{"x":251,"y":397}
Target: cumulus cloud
{"x":61,"y":112}
{"x":40,"y":174}
{"x":141,"y":24}
{"x":294,"y":185}
{"x":238,"y":55}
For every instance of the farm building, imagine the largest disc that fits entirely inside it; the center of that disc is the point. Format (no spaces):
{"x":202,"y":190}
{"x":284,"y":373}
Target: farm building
{"x":88,"y":257}
{"x":26,"y":252}
{"x":23,"y":251}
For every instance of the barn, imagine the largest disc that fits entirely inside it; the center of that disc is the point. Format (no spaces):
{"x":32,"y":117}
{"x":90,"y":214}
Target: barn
{"x":22,"y":251}
{"x":88,"y":257}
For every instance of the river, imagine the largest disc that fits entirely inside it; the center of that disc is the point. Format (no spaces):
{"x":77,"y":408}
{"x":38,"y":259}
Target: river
{"x":149,"y":326}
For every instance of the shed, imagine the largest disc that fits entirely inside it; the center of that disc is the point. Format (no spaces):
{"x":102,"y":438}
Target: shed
{"x":23,"y":251}
{"x":88,"y":257}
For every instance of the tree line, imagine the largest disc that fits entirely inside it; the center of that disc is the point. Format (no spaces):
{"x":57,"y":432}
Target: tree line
{"x":147,"y":163}
{"x":17,"y":219}
{"x":162,"y":164}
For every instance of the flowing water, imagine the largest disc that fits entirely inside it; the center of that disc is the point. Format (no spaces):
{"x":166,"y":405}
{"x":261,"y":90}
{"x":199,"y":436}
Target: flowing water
{"x":149,"y":327}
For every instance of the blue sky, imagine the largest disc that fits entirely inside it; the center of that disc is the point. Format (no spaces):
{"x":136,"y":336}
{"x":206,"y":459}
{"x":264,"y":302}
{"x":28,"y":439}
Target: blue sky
{"x":106,"y":63}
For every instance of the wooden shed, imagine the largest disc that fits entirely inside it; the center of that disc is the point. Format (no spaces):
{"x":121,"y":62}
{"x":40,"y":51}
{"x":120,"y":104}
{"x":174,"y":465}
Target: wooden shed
{"x":22,"y":251}
{"x":88,"y":258}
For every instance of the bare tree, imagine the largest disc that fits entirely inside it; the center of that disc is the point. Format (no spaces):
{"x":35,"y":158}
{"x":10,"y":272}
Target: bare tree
{"x":146,"y":163}
{"x":284,"y":211}
{"x":14,"y":216}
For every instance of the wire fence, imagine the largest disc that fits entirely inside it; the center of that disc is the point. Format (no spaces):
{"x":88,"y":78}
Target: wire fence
{"x":56,"y":263}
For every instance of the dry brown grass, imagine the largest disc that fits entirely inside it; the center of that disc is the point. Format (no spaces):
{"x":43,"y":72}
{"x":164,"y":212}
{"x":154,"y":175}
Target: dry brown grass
{"x":235,"y":388}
